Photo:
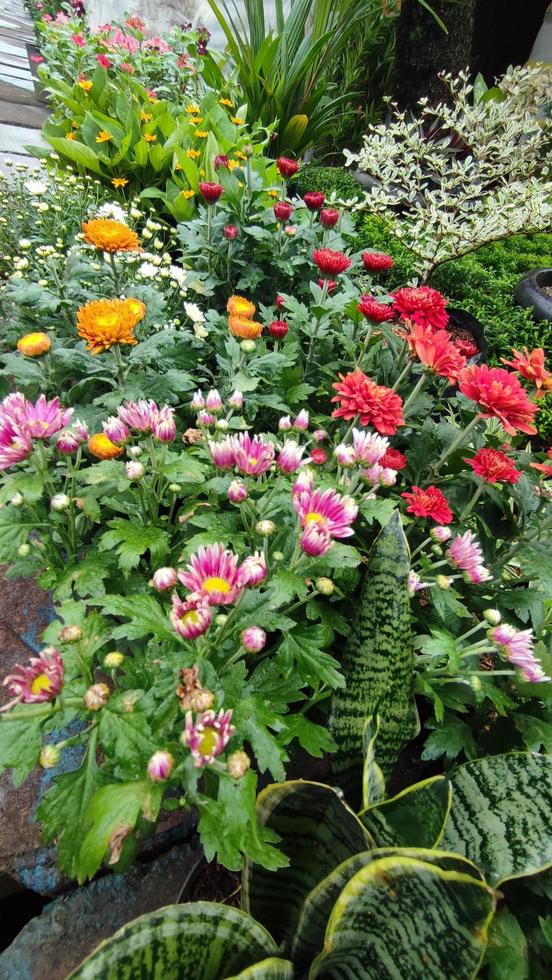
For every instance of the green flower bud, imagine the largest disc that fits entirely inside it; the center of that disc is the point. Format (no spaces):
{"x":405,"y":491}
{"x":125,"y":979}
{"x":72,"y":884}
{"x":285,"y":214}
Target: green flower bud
{"x":248,"y":346}
{"x":175,"y":487}
{"x":17,"y":500}
{"x":325,"y":586}
{"x":50,"y":756}
{"x":278,"y":555}
{"x":443,"y":582}
{"x":265,"y":528}
{"x":220,"y":619}
{"x":492,"y":616}
{"x":70,"y":634}
{"x":24,"y":550}
{"x":113,"y":660}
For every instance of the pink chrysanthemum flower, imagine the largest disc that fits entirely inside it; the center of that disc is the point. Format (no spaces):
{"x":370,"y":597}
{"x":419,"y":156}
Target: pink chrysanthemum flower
{"x":164,"y":578}
{"x":252,"y":456}
{"x":160,"y":766}
{"x":139,"y":415}
{"x":222,"y":453}
{"x":253,"y":569}
{"x":369,"y":448}
{"x":115,"y":429}
{"x":42,"y":681}
{"x":303,"y":482}
{"x":440,"y":533}
{"x":301,"y":423}
{"x":164,"y":425}
{"x":213,"y":402}
{"x":69,"y":440}
{"x":345,"y":455}
{"x":327,"y":509}
{"x":215,"y":573}
{"x":208,"y":736}
{"x":198,"y":401}
{"x":237,"y":492}
{"x":192,"y":617}
{"x":253,"y":639}
{"x":315,"y":540}
{"x":290,"y":457}
{"x":518,"y":647}
{"x":14,"y":446}
{"x":415,"y":583}
{"x":378,"y":475}
{"x":39,"y":421}
{"x":465,"y":553}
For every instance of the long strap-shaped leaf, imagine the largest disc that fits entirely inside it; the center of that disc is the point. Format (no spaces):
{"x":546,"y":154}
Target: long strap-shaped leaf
{"x":271,"y":969}
{"x":318,"y":831}
{"x":378,"y":664}
{"x":501,"y":814}
{"x":200,"y":941}
{"x":400,"y":917}
{"x":414,"y":818}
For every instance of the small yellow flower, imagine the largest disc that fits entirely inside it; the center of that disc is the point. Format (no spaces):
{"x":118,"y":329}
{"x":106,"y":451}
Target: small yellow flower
{"x":194,"y":110}
{"x":193,"y":154}
{"x":240,"y":155}
{"x":71,"y":136}
{"x":187,"y":194}
{"x":201,"y":134}
{"x":273,"y":193}
{"x":152,"y":98}
{"x":119,"y":182}
{"x":103,"y":136}
{"x":74,"y":125}
{"x":237,"y":121}
{"x":226,"y":102}
{"x":195,"y":120}
{"x":178,"y":166}
{"x":232,"y":164}
{"x":145,"y":116}
{"x":85,"y":84}
{"x":150,"y":137}
{"x":34,"y":344}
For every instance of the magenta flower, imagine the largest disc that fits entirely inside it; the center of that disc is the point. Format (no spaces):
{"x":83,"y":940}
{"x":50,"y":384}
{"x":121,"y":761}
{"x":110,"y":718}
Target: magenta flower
{"x":253,"y":639}
{"x":192,"y":617}
{"x":164,"y":578}
{"x":69,"y":440}
{"x":160,"y":766}
{"x":139,"y":415}
{"x":39,"y":421}
{"x":345,"y":455}
{"x":315,"y":540}
{"x":369,"y":447}
{"x":465,"y":553}
{"x":205,"y":418}
{"x":319,"y":435}
{"x":42,"y":681}
{"x":14,"y":446}
{"x":304,"y":482}
{"x":115,"y":429}
{"x":213,"y":572}
{"x":440,"y":533}
{"x":290,"y":457}
{"x":236,"y":400}
{"x":415,"y":583}
{"x":252,"y":456}
{"x":377,"y":475}
{"x":301,"y":423}
{"x":518,"y":647}
{"x":208,"y":736}
{"x":164,"y":426}
{"x":253,"y":570}
{"x":222,"y":453}
{"x":213,"y":402}
{"x":284,"y":423}
{"x":237,"y":492}
{"x":198,"y":401}
{"x":327,"y":509}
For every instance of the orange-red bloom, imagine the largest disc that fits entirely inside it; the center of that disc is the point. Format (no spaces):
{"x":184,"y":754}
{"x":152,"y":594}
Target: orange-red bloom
{"x":242,"y":307}
{"x":102,"y":447}
{"x":493,"y":466}
{"x":244,"y":328}
{"x":110,"y":236}
{"x":530,"y":364}
{"x":422,"y":305}
{"x":545,"y":468}
{"x":500,"y":396}
{"x":435,"y":350}
{"x":34,"y":344}
{"x":105,"y":322}
{"x":373,"y":404}
{"x":428,"y":503}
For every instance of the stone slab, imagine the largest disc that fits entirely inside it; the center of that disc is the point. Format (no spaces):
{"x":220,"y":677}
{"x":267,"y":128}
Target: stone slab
{"x":13,"y":113}
{"x":14,"y":139}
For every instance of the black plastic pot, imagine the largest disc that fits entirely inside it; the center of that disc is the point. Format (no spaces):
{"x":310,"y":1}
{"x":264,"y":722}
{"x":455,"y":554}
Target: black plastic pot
{"x":463,"y":319}
{"x":529,"y":293}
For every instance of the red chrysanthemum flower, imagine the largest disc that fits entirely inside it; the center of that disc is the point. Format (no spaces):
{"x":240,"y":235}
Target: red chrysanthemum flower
{"x":530,"y":364}
{"x":466,"y":347}
{"x":331,"y":285}
{"x":435,"y":350}
{"x":318,"y":456}
{"x":428,"y":503}
{"x":314,"y":200}
{"x":501,"y":396}
{"x":493,"y":466}
{"x":422,"y":305}
{"x":278,"y":329}
{"x":393,"y":460}
{"x":329,"y":217}
{"x":209,"y":191}
{"x":377,"y":261}
{"x":282,"y":210}
{"x":373,"y":404}
{"x":374,"y":311}
{"x":329,"y":262}
{"x":286,"y":167}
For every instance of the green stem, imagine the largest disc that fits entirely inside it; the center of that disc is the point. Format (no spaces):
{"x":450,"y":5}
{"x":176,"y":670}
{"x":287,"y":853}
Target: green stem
{"x":120,"y":364}
{"x":404,"y":374}
{"x":316,"y":328}
{"x":415,"y":391}
{"x":471,"y":503}
{"x":364,"y":347}
{"x":460,"y":438}
{"x":113,"y":265}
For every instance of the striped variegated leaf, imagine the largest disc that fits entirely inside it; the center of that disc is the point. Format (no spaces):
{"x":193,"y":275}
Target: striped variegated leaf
{"x":414,"y":818}
{"x":373,"y":783}
{"x":200,"y":940}
{"x":309,"y":935}
{"x":318,"y":831}
{"x":271,"y":969}
{"x":500,"y":815}
{"x":401,"y":917}
{"x":378,"y":665}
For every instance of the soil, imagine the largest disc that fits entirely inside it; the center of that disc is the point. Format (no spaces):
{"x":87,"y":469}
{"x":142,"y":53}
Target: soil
{"x":214,"y":883}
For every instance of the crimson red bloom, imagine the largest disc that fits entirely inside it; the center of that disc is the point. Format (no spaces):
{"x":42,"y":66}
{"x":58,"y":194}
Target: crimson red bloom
{"x":282,"y":210}
{"x":545,"y":468}
{"x":377,"y":261}
{"x":530,"y":364}
{"x":278,"y":329}
{"x":314,"y":200}
{"x":435,"y":350}
{"x":493,"y":466}
{"x":280,"y":302}
{"x":221,"y":160}
{"x":329,"y":217}
{"x":428,"y":503}
{"x":209,"y":191}
{"x":373,"y":404}
{"x":466,"y":347}
{"x":103,"y":61}
{"x":231,"y":232}
{"x":422,"y":305}
{"x":286,"y":167}
{"x":329,"y":262}
{"x":393,"y":460}
{"x":501,"y":396}
{"x":318,"y":456}
{"x":374,"y":311}
{"x":332,"y":285}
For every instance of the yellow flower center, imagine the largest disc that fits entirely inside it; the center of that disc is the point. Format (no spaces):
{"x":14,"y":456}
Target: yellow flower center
{"x":208,"y":741}
{"x":216,"y":584}
{"x":190,"y":617}
{"x":313,"y":517}
{"x":41,"y":683}
{"x":107,"y":320}
{"x":252,"y":460}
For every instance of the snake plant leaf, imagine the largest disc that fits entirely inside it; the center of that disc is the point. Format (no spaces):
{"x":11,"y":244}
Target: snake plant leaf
{"x":414,"y":818}
{"x":373,"y":783}
{"x":378,"y":664}
{"x":311,"y":927}
{"x":500,"y":815}
{"x":271,"y":969}
{"x":318,"y":831}
{"x":203,"y":940}
{"x":401,"y":917}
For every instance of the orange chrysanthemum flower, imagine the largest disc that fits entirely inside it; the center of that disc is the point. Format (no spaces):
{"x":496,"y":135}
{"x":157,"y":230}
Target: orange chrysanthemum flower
{"x":241,"y":307}
{"x":243,"y":328}
{"x":34,"y":344}
{"x":102,"y":447}
{"x":110,"y":236}
{"x":105,"y":322}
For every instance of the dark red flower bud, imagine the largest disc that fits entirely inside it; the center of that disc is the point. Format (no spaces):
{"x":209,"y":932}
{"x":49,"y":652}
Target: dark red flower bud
{"x":278,"y":329}
{"x":329,"y":217}
{"x":282,"y":210}
{"x":330,"y":263}
{"x":377,"y":261}
{"x":280,"y":302}
{"x":332,"y":285}
{"x":286,"y":167}
{"x":231,"y":232}
{"x":318,"y":456}
{"x":374,"y":311}
{"x":221,"y":160}
{"x":210,"y":192}
{"x":314,"y":200}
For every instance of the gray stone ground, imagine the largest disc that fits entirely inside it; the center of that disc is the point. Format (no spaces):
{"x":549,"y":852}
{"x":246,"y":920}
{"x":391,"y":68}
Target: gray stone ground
{"x":22,"y":111}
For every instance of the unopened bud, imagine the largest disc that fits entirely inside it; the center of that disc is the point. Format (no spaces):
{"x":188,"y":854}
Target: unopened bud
{"x":175,"y":487}
{"x":437,"y":550}
{"x":70,"y":634}
{"x":222,"y":425}
{"x":96,"y":696}
{"x":113,"y":660}
{"x":238,"y":764}
{"x":443,"y":582}
{"x":265,"y":528}
{"x":17,"y":500}
{"x":278,"y":555}
{"x":24,"y":550}
{"x":325,"y":586}
{"x":60,"y":502}
{"x":201,"y":700}
{"x":475,"y":684}
{"x":134,"y":470}
{"x":160,"y":766}
{"x":134,"y":451}
{"x":492,"y":616}
{"x":49,"y":756}
{"x":220,"y":620}
{"x":248,"y":346}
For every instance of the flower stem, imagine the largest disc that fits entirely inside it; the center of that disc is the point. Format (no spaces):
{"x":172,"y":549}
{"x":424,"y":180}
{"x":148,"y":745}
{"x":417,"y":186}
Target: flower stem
{"x":460,"y":438}
{"x":316,"y":328}
{"x":113,"y":265}
{"x":404,"y":374}
{"x":415,"y":391}
{"x":471,"y":503}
